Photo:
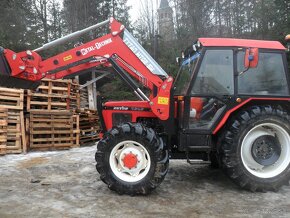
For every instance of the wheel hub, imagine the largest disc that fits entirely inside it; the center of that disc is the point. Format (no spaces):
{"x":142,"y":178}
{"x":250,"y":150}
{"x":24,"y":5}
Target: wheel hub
{"x":266,"y":150}
{"x":130,"y":160}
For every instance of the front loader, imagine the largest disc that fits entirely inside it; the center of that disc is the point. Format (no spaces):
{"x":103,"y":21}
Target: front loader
{"x":229,"y":105}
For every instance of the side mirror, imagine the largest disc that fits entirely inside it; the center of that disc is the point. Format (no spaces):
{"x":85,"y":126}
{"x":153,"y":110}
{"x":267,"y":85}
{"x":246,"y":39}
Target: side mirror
{"x":251,"y":58}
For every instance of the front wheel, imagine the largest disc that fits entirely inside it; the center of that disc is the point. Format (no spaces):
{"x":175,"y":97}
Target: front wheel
{"x":256,"y":148}
{"x":132,"y":159}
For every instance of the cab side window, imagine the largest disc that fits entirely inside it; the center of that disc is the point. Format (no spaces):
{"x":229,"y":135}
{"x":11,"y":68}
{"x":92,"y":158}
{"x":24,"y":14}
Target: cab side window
{"x":268,"y":78}
{"x":215,"y":75}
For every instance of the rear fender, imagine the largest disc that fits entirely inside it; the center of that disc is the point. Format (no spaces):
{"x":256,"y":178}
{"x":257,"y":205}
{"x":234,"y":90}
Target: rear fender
{"x":248,"y":102}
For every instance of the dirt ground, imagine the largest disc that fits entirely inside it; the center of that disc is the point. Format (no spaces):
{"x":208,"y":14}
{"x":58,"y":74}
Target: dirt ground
{"x":66,"y":184}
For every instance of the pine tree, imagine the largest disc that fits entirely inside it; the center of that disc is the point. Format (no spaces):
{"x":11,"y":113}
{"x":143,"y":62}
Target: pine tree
{"x":14,"y":24}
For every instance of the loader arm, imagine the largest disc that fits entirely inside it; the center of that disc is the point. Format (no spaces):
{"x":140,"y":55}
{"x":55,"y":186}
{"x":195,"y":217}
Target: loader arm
{"x":118,"y":49}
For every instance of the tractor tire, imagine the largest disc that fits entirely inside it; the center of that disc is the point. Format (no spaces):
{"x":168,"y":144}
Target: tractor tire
{"x":255,"y":149}
{"x":132,"y":159}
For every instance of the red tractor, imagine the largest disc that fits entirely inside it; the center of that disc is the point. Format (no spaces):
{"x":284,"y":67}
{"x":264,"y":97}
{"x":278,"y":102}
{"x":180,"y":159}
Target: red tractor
{"x":229,"y":105}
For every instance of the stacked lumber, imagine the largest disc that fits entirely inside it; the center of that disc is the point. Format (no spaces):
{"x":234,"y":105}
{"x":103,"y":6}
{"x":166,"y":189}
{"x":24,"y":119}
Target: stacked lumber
{"x":89,"y":126}
{"x":54,"y":95}
{"x":11,"y":100}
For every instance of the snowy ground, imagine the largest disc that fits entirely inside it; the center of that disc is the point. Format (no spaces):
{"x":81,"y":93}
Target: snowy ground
{"x":66,"y":184}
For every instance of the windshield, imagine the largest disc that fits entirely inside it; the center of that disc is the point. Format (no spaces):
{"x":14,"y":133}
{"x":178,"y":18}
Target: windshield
{"x":184,"y":74}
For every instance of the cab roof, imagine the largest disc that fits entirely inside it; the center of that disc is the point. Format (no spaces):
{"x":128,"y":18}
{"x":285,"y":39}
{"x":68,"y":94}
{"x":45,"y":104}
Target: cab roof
{"x":246,"y":43}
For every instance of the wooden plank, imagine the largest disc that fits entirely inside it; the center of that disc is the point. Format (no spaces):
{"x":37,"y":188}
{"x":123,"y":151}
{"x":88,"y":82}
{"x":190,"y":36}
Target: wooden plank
{"x":3,"y":130}
{"x":3,"y":136}
{"x":53,"y":139}
{"x":11,"y":90}
{"x":18,"y":151}
{"x":44,"y":95}
{"x":49,"y":104}
{"x":54,"y":112}
{"x":47,"y":132}
{"x":3,"y":122}
{"x":76,"y":130}
{"x":12,"y":107}
{"x":91,"y":97}
{"x":23,"y":134}
{"x":8,"y":98}
{"x":27,"y":136}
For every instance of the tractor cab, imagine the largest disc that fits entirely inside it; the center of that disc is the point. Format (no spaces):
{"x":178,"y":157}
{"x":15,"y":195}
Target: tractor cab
{"x":218,"y":75}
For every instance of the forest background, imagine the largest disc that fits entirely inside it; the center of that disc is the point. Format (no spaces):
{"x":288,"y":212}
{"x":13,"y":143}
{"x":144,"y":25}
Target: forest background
{"x":28,"y":24}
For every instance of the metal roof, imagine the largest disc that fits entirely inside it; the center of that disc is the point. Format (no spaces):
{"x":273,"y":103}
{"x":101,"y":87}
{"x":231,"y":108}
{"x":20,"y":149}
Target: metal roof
{"x":246,"y":43}
{"x":164,"y":4}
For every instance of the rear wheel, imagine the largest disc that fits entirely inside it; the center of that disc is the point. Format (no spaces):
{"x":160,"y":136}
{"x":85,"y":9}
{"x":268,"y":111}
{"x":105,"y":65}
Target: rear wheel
{"x":132,"y":159}
{"x":256,"y":149}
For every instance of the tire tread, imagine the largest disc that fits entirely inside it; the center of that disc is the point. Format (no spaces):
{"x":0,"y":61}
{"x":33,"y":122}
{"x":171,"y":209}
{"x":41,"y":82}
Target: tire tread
{"x":160,"y":156}
{"x":229,"y":143}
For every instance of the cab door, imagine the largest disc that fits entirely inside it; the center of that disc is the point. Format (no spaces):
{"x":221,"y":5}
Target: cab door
{"x":210,"y":92}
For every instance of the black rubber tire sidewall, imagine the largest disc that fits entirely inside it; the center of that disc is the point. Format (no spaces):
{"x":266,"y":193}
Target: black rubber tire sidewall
{"x":231,"y":141}
{"x":252,"y":123}
{"x":155,"y":147}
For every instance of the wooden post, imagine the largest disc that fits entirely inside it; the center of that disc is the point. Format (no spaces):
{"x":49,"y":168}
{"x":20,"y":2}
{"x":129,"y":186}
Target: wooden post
{"x":91,"y":97}
{"x":94,"y":90}
{"x":23,"y":132}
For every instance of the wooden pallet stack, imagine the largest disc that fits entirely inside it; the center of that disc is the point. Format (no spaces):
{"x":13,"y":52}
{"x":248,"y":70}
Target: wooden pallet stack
{"x":11,"y":103}
{"x":51,"y":130}
{"x":52,"y":124}
{"x":54,"y":95}
{"x":89,"y":126}
{"x":53,"y":118}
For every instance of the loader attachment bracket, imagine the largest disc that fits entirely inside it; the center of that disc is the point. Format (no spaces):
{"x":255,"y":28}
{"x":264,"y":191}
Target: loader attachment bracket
{"x":8,"y":81}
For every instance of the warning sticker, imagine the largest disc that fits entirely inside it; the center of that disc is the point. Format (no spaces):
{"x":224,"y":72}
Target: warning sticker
{"x":163,"y":100}
{"x":67,"y":58}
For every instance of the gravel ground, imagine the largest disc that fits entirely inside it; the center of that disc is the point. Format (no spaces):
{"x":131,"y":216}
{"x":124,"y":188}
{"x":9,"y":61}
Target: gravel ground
{"x":66,"y":184}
